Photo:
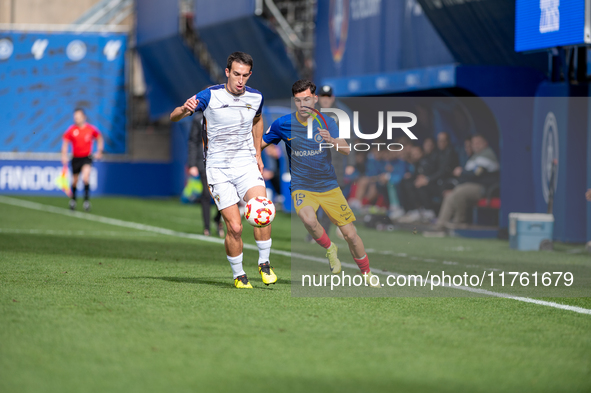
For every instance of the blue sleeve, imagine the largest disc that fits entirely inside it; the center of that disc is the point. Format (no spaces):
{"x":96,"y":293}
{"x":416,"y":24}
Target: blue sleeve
{"x":260,"y":110}
{"x":333,"y":129}
{"x":273,"y":134}
{"x":203,"y":96}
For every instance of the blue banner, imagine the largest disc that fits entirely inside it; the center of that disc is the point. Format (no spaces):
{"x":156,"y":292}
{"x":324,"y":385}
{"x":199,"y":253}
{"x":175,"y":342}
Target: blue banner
{"x":27,"y":177}
{"x":44,"y":76}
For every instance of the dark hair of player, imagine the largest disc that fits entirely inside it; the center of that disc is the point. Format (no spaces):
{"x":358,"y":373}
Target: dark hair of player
{"x":303,"y":85}
{"x":240,"y":57}
{"x":80,"y":110}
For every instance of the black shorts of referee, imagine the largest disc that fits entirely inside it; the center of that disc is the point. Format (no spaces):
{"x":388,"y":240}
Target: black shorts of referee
{"x":79,"y":162}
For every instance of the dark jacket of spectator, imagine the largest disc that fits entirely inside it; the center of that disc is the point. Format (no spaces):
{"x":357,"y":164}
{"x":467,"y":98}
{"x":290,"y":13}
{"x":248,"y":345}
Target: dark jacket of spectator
{"x":447,"y":160}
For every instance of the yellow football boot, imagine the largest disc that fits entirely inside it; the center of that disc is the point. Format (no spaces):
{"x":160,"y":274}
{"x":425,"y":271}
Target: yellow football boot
{"x":333,"y":260}
{"x":242,"y":282}
{"x":375,"y":283}
{"x":267,"y":273}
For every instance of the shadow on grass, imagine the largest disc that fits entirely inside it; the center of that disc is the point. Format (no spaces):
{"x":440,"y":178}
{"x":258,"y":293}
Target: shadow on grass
{"x":220,"y":282}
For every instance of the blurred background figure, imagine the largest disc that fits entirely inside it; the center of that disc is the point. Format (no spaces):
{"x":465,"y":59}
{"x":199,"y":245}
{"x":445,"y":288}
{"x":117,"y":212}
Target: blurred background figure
{"x":480,"y":172}
{"x":81,"y":135}
{"x":196,"y":163}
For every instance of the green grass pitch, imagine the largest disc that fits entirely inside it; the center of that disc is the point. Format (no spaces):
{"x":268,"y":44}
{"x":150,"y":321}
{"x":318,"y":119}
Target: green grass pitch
{"x":92,"y":307}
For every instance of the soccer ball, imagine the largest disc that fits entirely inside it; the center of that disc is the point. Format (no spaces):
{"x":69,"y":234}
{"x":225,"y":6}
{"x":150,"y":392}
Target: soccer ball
{"x":259,"y":212}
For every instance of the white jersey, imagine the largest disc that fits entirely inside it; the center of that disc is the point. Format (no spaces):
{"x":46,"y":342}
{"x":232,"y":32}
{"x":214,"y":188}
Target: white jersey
{"x":228,"y":128}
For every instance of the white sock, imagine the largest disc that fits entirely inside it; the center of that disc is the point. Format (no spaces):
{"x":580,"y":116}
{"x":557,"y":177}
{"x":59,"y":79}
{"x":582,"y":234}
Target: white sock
{"x":264,"y":250}
{"x":236,"y":265}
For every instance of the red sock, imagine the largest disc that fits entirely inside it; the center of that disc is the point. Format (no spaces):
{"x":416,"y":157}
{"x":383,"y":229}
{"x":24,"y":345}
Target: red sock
{"x":363,"y":264}
{"x":324,"y":240}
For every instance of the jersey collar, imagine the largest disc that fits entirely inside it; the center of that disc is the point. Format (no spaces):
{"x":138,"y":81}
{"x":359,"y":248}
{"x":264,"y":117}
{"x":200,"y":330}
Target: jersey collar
{"x":232,"y":94}
{"x":305,"y":124}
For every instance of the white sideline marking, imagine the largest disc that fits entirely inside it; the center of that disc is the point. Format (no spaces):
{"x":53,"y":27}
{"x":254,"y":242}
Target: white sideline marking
{"x":164,"y":231}
{"x":75,"y":233}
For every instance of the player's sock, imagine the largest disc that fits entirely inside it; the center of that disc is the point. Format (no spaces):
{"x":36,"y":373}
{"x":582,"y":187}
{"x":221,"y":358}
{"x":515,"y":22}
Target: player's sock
{"x":363,"y":264}
{"x":324,"y":240}
{"x":236,"y":265}
{"x":86,"y":191}
{"x":74,"y":192}
{"x":264,"y":250}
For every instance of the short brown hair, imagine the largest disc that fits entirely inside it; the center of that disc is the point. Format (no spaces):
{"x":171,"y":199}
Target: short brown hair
{"x":240,"y":57}
{"x":303,"y":85}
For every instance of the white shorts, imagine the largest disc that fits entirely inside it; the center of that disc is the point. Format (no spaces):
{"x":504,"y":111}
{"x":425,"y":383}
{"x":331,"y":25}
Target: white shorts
{"x":228,"y":186}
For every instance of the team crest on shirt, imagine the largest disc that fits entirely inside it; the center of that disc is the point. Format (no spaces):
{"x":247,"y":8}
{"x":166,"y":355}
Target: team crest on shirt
{"x":248,"y":106}
{"x":318,"y":138}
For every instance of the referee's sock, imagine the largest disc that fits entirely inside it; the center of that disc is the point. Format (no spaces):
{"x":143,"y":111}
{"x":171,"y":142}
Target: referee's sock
{"x":74,"y":192}
{"x":86,"y":191}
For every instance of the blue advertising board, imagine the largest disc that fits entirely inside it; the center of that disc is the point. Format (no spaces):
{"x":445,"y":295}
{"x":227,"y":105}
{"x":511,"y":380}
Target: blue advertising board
{"x":44,"y":76}
{"x":543,"y":24}
{"x":38,"y":177}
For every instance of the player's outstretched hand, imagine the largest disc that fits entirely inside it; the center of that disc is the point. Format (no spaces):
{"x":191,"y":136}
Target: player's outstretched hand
{"x":260,"y":163}
{"x":325,"y":135}
{"x":190,"y":105}
{"x":194,"y":171}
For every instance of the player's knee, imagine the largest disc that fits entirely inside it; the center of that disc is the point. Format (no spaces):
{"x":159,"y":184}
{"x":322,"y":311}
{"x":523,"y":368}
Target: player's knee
{"x":350,"y":235}
{"x":234,"y":229}
{"x":309,"y":221}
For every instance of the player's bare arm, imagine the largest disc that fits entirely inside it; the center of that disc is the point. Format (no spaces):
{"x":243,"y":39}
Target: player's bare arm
{"x":257,"y":136}
{"x":100,"y":147}
{"x":187,"y":109}
{"x":343,"y":146}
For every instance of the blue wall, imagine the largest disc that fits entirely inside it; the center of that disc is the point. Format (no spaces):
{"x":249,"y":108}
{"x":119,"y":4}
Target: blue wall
{"x":38,"y":93}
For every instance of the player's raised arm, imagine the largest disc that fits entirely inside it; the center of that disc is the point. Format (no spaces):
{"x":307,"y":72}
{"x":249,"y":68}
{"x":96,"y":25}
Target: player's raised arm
{"x":257,"y":137}
{"x":187,"y":109}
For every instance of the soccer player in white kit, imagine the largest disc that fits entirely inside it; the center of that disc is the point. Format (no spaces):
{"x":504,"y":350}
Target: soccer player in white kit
{"x":234,"y":131}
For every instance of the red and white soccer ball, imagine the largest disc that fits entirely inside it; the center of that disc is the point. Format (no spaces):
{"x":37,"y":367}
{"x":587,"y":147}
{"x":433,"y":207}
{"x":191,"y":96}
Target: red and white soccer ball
{"x":259,"y":212}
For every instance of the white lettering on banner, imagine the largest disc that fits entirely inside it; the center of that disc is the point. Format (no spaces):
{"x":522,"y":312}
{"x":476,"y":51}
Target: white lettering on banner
{"x":36,"y":178}
{"x":38,"y":48}
{"x":549,"y":16}
{"x":111,"y":49}
{"x":361,"y":9}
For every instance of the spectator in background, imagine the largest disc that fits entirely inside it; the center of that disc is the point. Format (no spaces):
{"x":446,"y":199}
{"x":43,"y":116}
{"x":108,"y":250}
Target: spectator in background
{"x":466,"y":152}
{"x":396,"y":169}
{"x":406,"y":190}
{"x":81,"y":135}
{"x":417,"y":187}
{"x":480,"y":172}
{"x":430,"y":186}
{"x":196,"y":163}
